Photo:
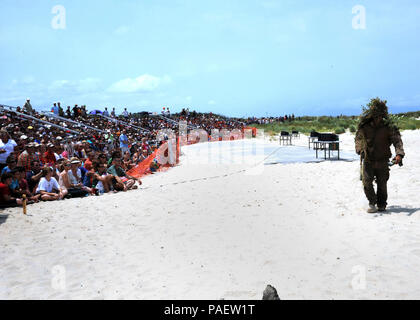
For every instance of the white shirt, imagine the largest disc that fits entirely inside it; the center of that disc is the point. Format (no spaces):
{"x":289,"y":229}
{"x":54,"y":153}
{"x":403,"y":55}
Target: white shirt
{"x":73,"y":179}
{"x":48,"y":186}
{"x":57,"y":156}
{"x":9,"y":147}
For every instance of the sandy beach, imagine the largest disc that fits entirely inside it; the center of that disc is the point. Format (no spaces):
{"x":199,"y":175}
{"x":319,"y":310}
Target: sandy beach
{"x":301,"y":227}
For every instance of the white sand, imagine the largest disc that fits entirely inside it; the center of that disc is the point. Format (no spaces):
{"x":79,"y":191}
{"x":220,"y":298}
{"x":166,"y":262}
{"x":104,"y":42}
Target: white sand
{"x":301,"y":227}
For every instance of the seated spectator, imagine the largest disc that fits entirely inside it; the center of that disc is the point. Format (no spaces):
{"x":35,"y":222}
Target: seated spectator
{"x":115,"y":154}
{"x":48,"y":187}
{"x":26,"y":157}
{"x":117,"y":171}
{"x":33,"y":176}
{"x":14,"y":185}
{"x":154,"y":166}
{"x":75,"y":176}
{"x":7,"y":146}
{"x":74,"y":190}
{"x":102,"y":179}
{"x":24,"y":186}
{"x":127,"y":164}
{"x":49,"y":156}
{"x":10,"y":164}
{"x":88,"y":162}
{"x":102,"y":159}
{"x":6,"y":199}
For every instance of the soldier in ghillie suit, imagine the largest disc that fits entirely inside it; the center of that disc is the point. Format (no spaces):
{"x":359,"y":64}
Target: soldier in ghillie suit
{"x":375,"y":134}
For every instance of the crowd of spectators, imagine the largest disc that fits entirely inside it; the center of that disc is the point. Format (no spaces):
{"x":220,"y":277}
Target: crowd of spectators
{"x":69,"y":153}
{"x":266,"y":120}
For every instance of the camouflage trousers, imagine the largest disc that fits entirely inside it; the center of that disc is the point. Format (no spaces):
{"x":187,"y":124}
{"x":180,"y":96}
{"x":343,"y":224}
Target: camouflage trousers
{"x":380,"y":172}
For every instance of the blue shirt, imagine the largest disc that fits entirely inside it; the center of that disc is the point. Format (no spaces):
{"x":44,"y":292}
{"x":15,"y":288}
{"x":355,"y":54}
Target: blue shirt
{"x":14,"y":185}
{"x":6,"y":170}
{"x":123,"y":141}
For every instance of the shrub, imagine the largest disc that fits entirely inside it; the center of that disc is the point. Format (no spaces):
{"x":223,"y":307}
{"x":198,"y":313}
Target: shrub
{"x":339,"y":130}
{"x":352,"y":128}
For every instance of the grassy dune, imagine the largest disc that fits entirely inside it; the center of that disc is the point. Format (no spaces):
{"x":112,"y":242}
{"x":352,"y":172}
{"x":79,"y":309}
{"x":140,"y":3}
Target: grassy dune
{"x":405,"y":121}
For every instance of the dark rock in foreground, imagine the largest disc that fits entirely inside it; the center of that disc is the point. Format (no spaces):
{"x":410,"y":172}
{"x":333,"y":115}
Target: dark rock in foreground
{"x":270,"y":293}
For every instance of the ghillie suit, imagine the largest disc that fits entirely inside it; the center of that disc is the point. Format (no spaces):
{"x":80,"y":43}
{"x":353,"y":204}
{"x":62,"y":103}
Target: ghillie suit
{"x":372,"y":142}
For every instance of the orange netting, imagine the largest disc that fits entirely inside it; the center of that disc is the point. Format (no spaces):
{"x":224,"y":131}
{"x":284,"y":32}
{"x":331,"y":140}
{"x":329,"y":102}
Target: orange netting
{"x":162,"y":153}
{"x":143,"y":167}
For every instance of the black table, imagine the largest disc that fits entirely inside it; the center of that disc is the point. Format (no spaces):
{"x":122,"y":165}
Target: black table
{"x":327,"y":145}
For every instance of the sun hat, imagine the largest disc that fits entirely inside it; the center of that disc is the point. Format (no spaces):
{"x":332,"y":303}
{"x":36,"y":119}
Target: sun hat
{"x":74,"y":160}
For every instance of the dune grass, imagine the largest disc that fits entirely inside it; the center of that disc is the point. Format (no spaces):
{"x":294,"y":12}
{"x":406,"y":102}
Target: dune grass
{"x":405,"y":121}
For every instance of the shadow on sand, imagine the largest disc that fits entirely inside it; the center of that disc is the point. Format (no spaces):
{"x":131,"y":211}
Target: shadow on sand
{"x":398,"y":209}
{"x":3,"y":218}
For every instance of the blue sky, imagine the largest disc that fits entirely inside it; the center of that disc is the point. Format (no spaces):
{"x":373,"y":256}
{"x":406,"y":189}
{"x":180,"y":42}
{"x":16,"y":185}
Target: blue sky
{"x":238,"y":58}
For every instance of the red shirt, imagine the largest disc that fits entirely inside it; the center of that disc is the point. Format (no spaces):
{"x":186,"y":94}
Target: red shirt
{"x":49,"y":157}
{"x":88,"y":164}
{"x":23,"y":184}
{"x":4,"y":191}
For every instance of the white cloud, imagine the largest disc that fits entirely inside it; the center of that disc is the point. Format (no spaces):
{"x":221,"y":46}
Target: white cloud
{"x":58,"y":84}
{"x":88,"y":84}
{"x":121,"y":30}
{"x":28,"y":79}
{"x":142,"y":83}
{"x":300,"y":24}
{"x":79,"y":86}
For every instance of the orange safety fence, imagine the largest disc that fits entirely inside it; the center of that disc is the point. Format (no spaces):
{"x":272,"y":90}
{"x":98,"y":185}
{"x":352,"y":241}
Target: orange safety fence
{"x":143,"y":167}
{"x":254,"y":131}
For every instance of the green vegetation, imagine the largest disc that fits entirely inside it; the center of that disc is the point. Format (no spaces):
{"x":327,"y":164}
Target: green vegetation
{"x":404,"y":121}
{"x":339,"y":130}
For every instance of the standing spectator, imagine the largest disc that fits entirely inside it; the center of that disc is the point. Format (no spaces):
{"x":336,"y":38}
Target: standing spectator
{"x":75,"y":111}
{"x":7,"y":146}
{"x":54,"y":109}
{"x":106,"y":113}
{"x":113,"y":113}
{"x":28,"y":106}
{"x":125,"y":113}
{"x":60,"y":110}
{"x":124,"y":142}
{"x":84,"y":112}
